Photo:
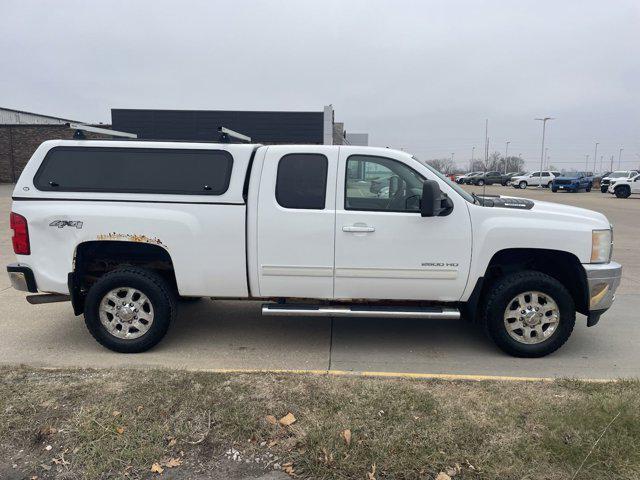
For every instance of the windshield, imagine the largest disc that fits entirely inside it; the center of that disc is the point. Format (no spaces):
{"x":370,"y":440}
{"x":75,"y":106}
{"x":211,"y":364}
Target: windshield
{"x":453,"y":185}
{"x":618,"y":174}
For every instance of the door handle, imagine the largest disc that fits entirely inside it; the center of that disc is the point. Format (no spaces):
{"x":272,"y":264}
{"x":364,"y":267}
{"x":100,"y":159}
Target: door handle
{"x":358,"y":229}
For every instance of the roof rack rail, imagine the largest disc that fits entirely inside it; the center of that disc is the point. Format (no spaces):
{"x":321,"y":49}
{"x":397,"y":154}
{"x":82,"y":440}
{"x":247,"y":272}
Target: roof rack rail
{"x":80,"y":129}
{"x":226,"y":133}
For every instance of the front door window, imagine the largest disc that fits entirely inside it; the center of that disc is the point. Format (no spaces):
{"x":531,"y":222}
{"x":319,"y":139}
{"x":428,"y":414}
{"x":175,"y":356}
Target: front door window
{"x":381,"y":184}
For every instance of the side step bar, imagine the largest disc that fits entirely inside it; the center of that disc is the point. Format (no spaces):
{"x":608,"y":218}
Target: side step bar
{"x":291,"y":310}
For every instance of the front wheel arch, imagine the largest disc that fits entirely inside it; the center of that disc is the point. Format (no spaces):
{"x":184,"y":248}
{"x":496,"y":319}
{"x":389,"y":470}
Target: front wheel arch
{"x":561,"y":265}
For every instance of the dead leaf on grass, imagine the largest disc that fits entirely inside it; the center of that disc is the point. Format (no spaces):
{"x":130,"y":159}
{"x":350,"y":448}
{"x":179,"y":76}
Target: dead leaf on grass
{"x":115,"y":413}
{"x":372,"y":474}
{"x":346,"y":436}
{"x":287,"y":420}
{"x":173,"y":462}
{"x":288,"y":469}
{"x":172,"y":441}
{"x":48,"y":431}
{"x":271,"y":419}
{"x":120,"y":430}
{"x":156,"y":468}
{"x":443,"y":476}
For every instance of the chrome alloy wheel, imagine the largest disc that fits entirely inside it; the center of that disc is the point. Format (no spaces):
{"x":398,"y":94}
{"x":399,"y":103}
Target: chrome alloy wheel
{"x":126,"y":313}
{"x":531,"y":317}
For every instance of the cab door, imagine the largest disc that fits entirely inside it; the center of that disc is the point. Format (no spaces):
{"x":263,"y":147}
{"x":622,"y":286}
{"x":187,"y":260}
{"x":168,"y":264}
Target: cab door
{"x":296,"y":221}
{"x":384,"y":248}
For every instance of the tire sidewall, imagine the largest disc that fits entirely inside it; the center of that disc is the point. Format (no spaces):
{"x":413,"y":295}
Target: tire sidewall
{"x":508,"y":288}
{"x":623,"y":192}
{"x":522,"y":185}
{"x":146,"y":282}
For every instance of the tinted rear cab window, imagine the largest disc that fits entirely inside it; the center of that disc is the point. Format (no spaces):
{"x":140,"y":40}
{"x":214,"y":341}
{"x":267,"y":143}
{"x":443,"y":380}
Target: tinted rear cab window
{"x":135,"y":170}
{"x":302,"y":181}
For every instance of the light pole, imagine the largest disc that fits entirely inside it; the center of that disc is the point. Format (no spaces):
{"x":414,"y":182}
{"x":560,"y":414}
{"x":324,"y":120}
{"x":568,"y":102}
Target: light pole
{"x":546,"y":158}
{"x":620,"y":157}
{"x":506,"y":153}
{"x":544,"y":126}
{"x":586,"y":165}
{"x":473,"y":152}
{"x":595,"y":158}
{"x":601,"y":163}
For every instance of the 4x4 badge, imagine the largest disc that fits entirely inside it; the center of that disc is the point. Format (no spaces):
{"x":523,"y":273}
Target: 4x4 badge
{"x":66,"y":223}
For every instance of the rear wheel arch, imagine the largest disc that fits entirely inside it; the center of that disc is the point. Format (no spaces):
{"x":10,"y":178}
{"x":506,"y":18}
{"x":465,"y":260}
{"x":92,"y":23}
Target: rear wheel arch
{"x":93,"y":259}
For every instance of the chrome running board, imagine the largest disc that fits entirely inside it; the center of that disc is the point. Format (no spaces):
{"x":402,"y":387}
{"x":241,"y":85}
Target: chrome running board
{"x":291,"y":310}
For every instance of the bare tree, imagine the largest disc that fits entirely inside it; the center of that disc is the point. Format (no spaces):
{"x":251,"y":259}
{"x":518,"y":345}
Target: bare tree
{"x":443,"y":165}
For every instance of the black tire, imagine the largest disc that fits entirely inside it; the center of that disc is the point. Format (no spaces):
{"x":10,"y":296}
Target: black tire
{"x":554,"y":189}
{"x":508,"y":287}
{"x":588,"y":189}
{"x":480,"y":182}
{"x":522,"y":185}
{"x":604,"y":189}
{"x":150,"y":284}
{"x":623,"y":191}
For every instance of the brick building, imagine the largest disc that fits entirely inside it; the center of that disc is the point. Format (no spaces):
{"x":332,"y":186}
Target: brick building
{"x":22,"y":132}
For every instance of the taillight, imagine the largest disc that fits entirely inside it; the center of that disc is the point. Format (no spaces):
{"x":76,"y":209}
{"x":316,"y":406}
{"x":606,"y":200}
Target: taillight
{"x":20,"y":234}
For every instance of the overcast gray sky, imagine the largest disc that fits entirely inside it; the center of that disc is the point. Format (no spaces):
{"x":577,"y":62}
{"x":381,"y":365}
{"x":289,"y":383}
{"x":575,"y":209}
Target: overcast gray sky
{"x":418,"y":75}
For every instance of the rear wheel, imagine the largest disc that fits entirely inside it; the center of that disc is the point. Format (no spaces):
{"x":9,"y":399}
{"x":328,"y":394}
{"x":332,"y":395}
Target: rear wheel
{"x":549,"y":184}
{"x":529,"y":314}
{"x":603,"y":188}
{"x":522,"y":185}
{"x":480,"y":182}
{"x":623,"y":191}
{"x":129,"y":310}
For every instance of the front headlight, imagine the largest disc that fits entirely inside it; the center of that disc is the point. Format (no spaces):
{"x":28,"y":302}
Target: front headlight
{"x":601,"y":245}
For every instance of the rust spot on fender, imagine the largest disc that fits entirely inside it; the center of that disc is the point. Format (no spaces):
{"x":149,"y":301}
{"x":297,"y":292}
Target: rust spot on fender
{"x":131,"y":237}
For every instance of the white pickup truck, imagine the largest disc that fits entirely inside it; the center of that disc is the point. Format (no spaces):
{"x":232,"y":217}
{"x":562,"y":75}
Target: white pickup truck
{"x":124,"y":229}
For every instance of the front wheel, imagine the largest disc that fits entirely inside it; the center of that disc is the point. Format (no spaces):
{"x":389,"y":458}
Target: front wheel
{"x":554,"y":189}
{"x":522,"y":185}
{"x":588,"y":189}
{"x":129,"y":309}
{"x":529,"y":314}
{"x":480,"y":183}
{"x":604,"y":189}
{"x":623,"y":191}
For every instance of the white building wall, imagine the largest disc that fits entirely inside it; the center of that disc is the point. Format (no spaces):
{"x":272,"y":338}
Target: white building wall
{"x":15,"y":117}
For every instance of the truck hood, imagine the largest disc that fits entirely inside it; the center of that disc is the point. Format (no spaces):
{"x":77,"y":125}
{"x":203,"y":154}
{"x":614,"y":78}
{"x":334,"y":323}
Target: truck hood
{"x":553,"y":211}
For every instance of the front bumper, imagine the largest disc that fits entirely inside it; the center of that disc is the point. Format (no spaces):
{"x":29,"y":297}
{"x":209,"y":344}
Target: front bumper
{"x":22,"y":278}
{"x":603,"y":280}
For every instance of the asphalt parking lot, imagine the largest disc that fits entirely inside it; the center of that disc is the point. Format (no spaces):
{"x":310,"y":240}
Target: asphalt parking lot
{"x":226,"y":335}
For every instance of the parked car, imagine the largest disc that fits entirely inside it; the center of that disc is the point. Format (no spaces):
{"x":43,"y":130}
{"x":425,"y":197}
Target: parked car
{"x":462,"y":178}
{"x":624,"y":187}
{"x":506,"y":178}
{"x":282,"y":223}
{"x":572,"y":182}
{"x":534,"y":179}
{"x":618,"y":174}
{"x":488,"y":178}
{"x":468,"y":180}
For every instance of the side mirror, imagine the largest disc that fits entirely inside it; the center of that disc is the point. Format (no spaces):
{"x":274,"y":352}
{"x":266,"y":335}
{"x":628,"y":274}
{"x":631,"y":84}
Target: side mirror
{"x":434,"y":203}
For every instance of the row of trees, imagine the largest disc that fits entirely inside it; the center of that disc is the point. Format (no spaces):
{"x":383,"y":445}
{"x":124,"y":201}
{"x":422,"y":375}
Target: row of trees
{"x":495,"y":162}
